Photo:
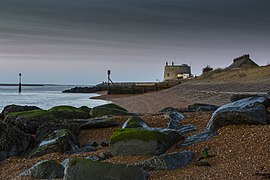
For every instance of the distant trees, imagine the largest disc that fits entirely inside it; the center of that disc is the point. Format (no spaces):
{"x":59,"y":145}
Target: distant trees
{"x":207,"y":69}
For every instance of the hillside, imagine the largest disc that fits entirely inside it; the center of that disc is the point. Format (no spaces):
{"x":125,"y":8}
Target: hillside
{"x":215,"y":87}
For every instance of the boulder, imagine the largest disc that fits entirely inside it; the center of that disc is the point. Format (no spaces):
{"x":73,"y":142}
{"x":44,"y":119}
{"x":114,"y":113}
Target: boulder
{"x":245,"y":111}
{"x":81,"y":150}
{"x":101,"y":122}
{"x":17,"y":108}
{"x":109,"y":109}
{"x":186,"y":129}
{"x":135,"y":122}
{"x":202,"y":107}
{"x":237,"y":97}
{"x":48,"y":128}
{"x":13,"y":142}
{"x":170,"y":161}
{"x":81,"y":169}
{"x":46,"y":169}
{"x":29,"y":121}
{"x":58,"y":141}
{"x":175,"y":117}
{"x":168,"y":109}
{"x":69,"y":112}
{"x":132,"y":141}
{"x":197,"y":138}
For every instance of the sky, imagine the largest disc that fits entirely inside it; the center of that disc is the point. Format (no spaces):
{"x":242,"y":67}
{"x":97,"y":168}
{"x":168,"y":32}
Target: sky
{"x":77,"y":41}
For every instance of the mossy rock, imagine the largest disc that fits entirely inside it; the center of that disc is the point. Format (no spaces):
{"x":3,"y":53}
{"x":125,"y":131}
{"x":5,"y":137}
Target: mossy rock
{"x":60,"y":140}
{"x":135,"y":122}
{"x":46,"y":169}
{"x":109,"y":109}
{"x":81,"y":169}
{"x":29,"y":121}
{"x":69,"y":112}
{"x":17,"y":108}
{"x":132,"y":141}
{"x":13,"y":142}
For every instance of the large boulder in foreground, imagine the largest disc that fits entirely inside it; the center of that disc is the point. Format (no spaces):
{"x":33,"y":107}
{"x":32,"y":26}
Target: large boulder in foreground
{"x":58,"y":141}
{"x":131,"y":141}
{"x":69,"y":112}
{"x":29,"y":121}
{"x":81,"y":169}
{"x":245,"y":111}
{"x":13,"y":142}
{"x":135,"y":122}
{"x":109,"y":109}
{"x":17,"y":108}
{"x":170,"y":161}
{"x":46,"y":169}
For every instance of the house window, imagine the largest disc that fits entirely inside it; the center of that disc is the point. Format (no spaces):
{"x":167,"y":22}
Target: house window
{"x":168,"y":74}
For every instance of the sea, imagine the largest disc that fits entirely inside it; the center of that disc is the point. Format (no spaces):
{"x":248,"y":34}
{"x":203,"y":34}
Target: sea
{"x":46,"y":96}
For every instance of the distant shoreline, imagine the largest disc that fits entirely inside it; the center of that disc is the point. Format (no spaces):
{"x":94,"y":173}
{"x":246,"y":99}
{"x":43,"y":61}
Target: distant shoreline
{"x":29,"y":85}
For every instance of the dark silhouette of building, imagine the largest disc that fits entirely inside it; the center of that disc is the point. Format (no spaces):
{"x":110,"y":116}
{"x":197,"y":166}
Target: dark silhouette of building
{"x":242,"y":62}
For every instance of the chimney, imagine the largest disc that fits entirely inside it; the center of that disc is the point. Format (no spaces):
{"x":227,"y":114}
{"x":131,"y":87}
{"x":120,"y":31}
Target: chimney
{"x":166,"y":63}
{"x":172,"y":63}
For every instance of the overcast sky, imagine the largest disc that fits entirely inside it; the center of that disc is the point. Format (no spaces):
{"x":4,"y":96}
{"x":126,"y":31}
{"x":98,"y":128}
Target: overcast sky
{"x":76,"y":41}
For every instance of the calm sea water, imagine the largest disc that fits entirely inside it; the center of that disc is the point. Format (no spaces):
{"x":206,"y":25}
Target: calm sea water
{"x":45,"y":97}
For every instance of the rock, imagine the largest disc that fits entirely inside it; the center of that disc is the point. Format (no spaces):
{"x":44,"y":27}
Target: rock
{"x":237,"y":97}
{"x":81,"y":150}
{"x":170,"y":161}
{"x":202,"y":107}
{"x":197,"y":138}
{"x":92,"y":143}
{"x":81,"y":169}
{"x":175,"y":117}
{"x":13,"y":142}
{"x":29,"y":121}
{"x":46,"y":129}
{"x":68,"y":112}
{"x":104,"y":155}
{"x":86,"y":109}
{"x":104,"y":143}
{"x":17,"y":108}
{"x":135,"y":122}
{"x":131,"y":141}
{"x":61,"y":140}
{"x":109,"y":109}
{"x":186,"y":129}
{"x":46,"y":169}
{"x":92,"y":158}
{"x":202,"y":163}
{"x":168,"y":109}
{"x":101,"y":122}
{"x":245,"y":111}
{"x":86,"y":89}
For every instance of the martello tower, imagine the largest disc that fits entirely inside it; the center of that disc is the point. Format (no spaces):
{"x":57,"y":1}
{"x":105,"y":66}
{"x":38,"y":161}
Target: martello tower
{"x":175,"y":72}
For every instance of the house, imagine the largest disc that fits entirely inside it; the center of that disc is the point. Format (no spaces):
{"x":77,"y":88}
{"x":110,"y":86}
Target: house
{"x":242,"y":62}
{"x":175,"y":72}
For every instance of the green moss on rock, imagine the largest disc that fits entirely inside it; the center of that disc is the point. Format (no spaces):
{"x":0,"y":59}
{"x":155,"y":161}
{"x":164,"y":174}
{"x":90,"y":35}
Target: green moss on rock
{"x":65,"y":108}
{"x":108,"y":109}
{"x":135,"y":122}
{"x":139,"y":134}
{"x":32,"y":114}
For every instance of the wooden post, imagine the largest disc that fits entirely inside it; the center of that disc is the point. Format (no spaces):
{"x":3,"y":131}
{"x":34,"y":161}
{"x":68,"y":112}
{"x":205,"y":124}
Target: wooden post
{"x":20,"y":83}
{"x":109,"y":73}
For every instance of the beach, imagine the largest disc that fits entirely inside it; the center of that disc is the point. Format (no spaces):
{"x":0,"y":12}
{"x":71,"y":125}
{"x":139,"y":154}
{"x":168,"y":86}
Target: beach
{"x":239,"y":151}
